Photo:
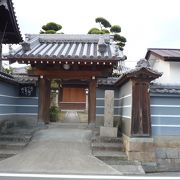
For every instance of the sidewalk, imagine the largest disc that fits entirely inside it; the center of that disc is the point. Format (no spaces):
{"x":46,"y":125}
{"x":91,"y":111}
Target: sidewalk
{"x":60,"y":150}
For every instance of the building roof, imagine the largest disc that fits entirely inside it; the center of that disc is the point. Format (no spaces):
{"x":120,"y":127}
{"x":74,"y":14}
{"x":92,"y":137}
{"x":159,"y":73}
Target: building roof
{"x":7,"y":77}
{"x":122,"y":69}
{"x":9,"y":29}
{"x":109,"y":81}
{"x":18,"y":79}
{"x":142,"y":71}
{"x":165,"y":54}
{"x":64,"y":47}
{"x":164,"y":89}
{"x":25,"y":79}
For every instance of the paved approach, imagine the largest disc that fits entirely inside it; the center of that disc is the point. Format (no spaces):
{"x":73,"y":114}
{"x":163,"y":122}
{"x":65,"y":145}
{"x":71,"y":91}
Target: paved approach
{"x":58,"y":150}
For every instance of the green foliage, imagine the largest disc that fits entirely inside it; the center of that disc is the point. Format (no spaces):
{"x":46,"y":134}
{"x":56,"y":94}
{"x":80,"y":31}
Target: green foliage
{"x":121,"y":44}
{"x":54,"y":113}
{"x":105,"y":31}
{"x":106,"y":28}
{"x":123,"y":39}
{"x":103,"y":22}
{"x":117,"y":37}
{"x":50,"y":28}
{"x":8,"y":70}
{"x":50,"y":32}
{"x":115,"y":29}
{"x":94,"y":31}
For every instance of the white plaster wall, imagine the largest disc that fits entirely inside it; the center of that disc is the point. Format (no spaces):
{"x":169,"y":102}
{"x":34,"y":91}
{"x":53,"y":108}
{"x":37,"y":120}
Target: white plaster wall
{"x":170,"y":70}
{"x":175,"y":72}
{"x":164,"y":67}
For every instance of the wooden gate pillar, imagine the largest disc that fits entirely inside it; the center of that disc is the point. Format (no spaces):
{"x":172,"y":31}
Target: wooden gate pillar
{"x":141,"y":121}
{"x":141,"y":118}
{"x":140,"y":78}
{"x":92,"y":101}
{"x":44,"y":99}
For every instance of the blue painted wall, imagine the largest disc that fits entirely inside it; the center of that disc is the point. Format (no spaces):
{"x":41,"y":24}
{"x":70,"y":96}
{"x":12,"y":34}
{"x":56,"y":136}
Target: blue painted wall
{"x":13,"y":107}
{"x":100,"y":91}
{"x":165,"y":114}
{"x":8,"y":94}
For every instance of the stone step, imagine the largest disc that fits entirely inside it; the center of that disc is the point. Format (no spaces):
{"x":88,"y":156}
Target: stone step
{"x":69,"y":125}
{"x":12,"y":145}
{"x":129,"y":169}
{"x":151,"y":167}
{"x":115,"y":161}
{"x":8,"y":153}
{"x":110,"y":155}
{"x":1,"y":159}
{"x":16,"y":131}
{"x":107,"y":146}
{"x":107,"y":139}
{"x":95,"y":132}
{"x":15,"y":138}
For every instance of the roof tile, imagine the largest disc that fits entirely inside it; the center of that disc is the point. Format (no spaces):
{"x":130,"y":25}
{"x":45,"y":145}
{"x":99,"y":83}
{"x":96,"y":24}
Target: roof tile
{"x":61,"y":46}
{"x":165,"y":53}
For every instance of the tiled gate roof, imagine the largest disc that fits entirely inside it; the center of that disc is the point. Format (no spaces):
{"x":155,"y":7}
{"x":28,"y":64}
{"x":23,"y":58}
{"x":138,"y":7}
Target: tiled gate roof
{"x":62,"y":46}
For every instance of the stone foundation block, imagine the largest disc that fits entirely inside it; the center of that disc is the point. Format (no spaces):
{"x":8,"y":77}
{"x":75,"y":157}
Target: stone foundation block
{"x":172,"y":154}
{"x":108,"y":131}
{"x":140,"y":146}
{"x":177,"y":162}
{"x":164,"y":164}
{"x":142,"y":156}
{"x":167,"y":141}
{"x":160,"y":153}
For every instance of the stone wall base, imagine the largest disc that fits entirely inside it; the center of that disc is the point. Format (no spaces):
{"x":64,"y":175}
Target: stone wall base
{"x":156,"y":154}
{"x":167,"y":153}
{"x":141,"y":149}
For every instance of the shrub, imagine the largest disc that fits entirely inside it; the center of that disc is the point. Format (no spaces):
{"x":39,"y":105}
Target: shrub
{"x":54,"y":113}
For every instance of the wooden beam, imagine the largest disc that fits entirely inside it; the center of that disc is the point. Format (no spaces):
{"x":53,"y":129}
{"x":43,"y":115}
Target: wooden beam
{"x":65,"y":74}
{"x":92,"y":102}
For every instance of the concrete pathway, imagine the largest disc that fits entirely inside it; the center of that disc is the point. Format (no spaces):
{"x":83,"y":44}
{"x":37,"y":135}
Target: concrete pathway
{"x":60,"y":150}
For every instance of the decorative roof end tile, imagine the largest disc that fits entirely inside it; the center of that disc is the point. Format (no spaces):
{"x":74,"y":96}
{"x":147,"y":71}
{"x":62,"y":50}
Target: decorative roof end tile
{"x":102,"y":46}
{"x":29,"y":43}
{"x":143,"y":63}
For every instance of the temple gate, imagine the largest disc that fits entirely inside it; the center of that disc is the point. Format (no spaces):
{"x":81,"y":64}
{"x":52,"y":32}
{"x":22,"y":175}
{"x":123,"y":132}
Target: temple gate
{"x":77,"y":60}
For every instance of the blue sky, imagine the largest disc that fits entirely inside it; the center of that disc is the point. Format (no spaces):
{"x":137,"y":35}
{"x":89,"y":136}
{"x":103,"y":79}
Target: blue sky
{"x":145,"y":23}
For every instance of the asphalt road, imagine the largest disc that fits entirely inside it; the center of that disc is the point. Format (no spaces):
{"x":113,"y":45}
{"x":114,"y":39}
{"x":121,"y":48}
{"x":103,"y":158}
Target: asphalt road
{"x":4,"y":176}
